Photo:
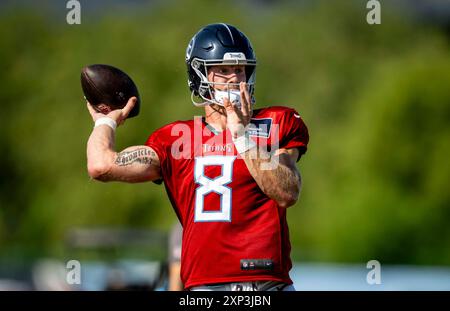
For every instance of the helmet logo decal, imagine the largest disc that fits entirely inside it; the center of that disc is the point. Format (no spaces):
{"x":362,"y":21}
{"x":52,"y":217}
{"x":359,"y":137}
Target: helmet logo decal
{"x":238,"y":56}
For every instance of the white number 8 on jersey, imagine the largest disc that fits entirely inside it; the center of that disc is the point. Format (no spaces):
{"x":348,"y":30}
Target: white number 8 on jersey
{"x":218,"y":185}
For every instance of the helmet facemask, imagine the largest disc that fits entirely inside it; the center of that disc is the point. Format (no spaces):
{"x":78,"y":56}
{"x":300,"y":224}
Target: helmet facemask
{"x":206,"y":89}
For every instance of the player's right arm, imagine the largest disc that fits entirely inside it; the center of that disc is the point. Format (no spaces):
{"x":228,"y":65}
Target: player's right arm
{"x":133,"y":164}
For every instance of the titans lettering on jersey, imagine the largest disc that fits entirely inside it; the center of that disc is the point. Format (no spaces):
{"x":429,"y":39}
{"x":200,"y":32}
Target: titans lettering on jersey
{"x":232,"y":231}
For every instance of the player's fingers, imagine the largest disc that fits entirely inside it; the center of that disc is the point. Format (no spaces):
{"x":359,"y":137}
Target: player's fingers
{"x":90,"y":109}
{"x":227,"y":104}
{"x":237,"y":110}
{"x":249,"y":100}
{"x":248,"y":97}
{"x":130,"y":104}
{"x":245,"y":107}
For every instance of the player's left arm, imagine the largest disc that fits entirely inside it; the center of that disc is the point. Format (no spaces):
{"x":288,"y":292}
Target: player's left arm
{"x":275,"y":172}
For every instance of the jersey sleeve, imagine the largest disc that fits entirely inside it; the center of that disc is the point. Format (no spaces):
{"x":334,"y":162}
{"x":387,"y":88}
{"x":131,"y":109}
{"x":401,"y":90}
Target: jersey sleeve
{"x":156,"y":142}
{"x":294,"y":133}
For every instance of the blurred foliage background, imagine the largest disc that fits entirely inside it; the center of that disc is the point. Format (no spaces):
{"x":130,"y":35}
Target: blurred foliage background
{"x":375,"y":98}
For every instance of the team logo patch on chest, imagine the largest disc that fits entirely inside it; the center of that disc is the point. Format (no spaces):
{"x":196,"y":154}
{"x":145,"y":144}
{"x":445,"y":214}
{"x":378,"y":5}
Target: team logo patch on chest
{"x":260,"y":127}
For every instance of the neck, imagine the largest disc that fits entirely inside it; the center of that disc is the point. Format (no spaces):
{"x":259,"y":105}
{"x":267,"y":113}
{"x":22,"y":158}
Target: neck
{"x":216,"y":117}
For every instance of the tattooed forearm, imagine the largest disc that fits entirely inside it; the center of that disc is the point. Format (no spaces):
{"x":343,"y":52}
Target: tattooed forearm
{"x":133,"y":164}
{"x":281,"y":182}
{"x":141,"y":156}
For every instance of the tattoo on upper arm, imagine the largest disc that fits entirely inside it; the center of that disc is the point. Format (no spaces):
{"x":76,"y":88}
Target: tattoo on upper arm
{"x":141,"y":156}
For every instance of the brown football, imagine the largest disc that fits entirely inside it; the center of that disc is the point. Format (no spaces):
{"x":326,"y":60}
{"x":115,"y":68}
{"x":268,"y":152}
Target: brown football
{"x":105,"y":84}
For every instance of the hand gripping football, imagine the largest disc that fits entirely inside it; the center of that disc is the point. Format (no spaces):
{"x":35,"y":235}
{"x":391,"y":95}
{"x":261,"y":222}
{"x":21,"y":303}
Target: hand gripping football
{"x":108,"y":88}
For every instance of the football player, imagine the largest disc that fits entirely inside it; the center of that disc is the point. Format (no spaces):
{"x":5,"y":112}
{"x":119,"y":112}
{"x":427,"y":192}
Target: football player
{"x":229,"y":175}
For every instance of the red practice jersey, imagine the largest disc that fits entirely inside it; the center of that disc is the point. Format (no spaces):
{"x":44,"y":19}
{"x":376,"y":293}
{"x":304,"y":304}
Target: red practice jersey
{"x":232,"y":231}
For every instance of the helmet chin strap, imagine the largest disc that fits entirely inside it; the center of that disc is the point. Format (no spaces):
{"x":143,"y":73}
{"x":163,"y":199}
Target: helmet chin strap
{"x":199,"y":104}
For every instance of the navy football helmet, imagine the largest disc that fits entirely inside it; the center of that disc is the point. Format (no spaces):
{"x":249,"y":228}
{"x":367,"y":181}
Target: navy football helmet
{"x":217,"y":44}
